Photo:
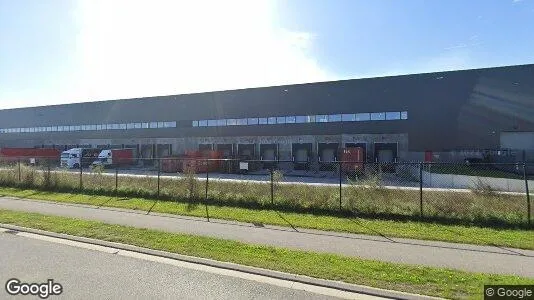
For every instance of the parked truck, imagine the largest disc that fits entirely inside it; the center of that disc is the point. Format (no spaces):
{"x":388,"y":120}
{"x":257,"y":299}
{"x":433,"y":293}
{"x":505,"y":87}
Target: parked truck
{"x":79,"y":157}
{"x":115,"y":158}
{"x":29,"y":155}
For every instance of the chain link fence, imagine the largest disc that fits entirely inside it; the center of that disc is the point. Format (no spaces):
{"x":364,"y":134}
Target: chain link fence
{"x":484,"y":193}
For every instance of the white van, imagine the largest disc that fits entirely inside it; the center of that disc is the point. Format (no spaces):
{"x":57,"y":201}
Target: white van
{"x":76,"y":157}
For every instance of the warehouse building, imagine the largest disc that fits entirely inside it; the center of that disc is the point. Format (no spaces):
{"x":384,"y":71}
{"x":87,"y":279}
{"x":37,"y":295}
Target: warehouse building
{"x":392,"y":118}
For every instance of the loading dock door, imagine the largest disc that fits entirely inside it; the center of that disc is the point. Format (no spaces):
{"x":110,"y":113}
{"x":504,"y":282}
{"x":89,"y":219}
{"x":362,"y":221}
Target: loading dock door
{"x":246,"y":151}
{"x":302,"y":155}
{"x":268,"y":152}
{"x":327,"y":155}
{"x":226,"y":150}
{"x":163,"y":150}
{"x":385,"y":154}
{"x":328,"y":152}
{"x":205,"y":147}
{"x":146,"y":151}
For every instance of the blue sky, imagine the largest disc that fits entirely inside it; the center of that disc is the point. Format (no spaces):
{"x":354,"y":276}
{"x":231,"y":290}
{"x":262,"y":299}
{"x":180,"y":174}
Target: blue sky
{"x":58,"y":51}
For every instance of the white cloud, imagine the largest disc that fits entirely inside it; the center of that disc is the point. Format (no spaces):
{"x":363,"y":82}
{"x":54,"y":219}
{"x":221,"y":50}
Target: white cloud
{"x":130,"y":48}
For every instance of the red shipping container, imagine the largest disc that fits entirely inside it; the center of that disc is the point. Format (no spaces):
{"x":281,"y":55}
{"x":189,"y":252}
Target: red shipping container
{"x":428,"y":156}
{"x":352,"y":159}
{"x":30,"y":152}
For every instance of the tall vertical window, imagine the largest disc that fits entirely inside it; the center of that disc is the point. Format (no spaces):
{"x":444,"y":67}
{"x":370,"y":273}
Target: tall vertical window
{"x":404,"y":115}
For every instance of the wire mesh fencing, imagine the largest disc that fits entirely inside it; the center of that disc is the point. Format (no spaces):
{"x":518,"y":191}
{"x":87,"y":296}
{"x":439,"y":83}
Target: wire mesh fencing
{"x":458,"y":192}
{"x":383,"y":189}
{"x":9,"y":171}
{"x":476,"y":192}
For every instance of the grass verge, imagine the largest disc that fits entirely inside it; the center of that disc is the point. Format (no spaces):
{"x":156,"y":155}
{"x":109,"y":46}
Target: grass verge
{"x":515,"y":238}
{"x":414,"y":279}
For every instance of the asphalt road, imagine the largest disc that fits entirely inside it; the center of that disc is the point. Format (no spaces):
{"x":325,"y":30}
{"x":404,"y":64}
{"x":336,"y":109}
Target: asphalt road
{"x":487,"y":259}
{"x":90,"y":274}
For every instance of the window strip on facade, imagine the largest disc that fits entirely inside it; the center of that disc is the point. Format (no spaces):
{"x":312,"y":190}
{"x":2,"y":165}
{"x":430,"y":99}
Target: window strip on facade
{"x":393,"y":115}
{"x":342,"y":117}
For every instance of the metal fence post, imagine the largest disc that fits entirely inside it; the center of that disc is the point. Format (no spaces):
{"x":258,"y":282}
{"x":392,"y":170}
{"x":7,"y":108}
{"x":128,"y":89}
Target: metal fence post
{"x":421,"y":189}
{"x":20,"y":174}
{"x":272,"y":186}
{"x":116,"y":180}
{"x":207,"y":182}
{"x":207,"y":179}
{"x":340,"y":196}
{"x":527,"y":191}
{"x":81,"y":174}
{"x":159,"y":173}
{"x":48,"y":171}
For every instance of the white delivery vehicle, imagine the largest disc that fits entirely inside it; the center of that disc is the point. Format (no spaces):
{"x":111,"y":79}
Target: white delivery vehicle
{"x":115,"y":158}
{"x":76,"y":157}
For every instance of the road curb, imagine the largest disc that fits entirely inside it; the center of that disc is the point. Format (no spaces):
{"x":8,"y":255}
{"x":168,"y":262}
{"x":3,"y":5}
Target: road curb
{"x":229,"y":266}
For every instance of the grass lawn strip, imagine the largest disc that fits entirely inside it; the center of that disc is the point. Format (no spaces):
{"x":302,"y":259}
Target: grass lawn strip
{"x":414,"y":279}
{"x":514,"y":238}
